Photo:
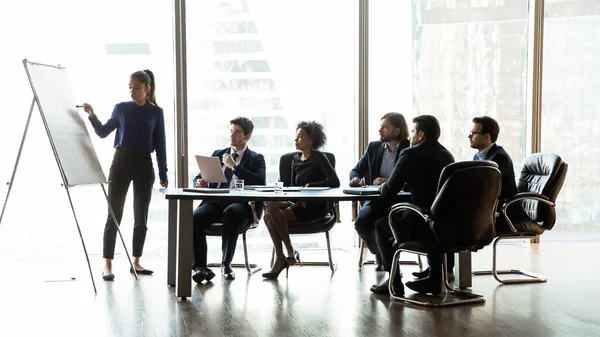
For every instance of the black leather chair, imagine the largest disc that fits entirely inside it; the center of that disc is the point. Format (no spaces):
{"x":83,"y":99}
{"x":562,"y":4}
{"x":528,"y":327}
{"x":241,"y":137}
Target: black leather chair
{"x":462,"y":218}
{"x":542,"y":177}
{"x":320,"y":225}
{"x":215,"y":229}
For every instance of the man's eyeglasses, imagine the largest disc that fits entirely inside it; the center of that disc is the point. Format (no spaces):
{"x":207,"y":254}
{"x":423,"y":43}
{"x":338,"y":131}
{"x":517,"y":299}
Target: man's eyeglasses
{"x":474,"y":133}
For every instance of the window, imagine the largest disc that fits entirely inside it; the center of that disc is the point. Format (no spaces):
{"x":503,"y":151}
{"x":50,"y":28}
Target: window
{"x":390,"y":62}
{"x":471,"y":60}
{"x":286,"y":68}
{"x":570,"y":121}
{"x":99,"y":58}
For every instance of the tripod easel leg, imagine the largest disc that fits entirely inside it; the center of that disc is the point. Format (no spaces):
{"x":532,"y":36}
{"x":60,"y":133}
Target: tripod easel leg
{"x":112,"y":214}
{"x":12,"y":177}
{"x":81,"y":237}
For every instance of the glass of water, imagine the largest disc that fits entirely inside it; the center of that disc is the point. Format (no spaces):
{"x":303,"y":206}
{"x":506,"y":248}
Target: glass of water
{"x":238,"y":185}
{"x":278,"y":189}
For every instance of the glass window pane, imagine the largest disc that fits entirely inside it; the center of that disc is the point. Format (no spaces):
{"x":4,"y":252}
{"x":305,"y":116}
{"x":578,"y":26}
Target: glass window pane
{"x":276,"y":70}
{"x":470,"y":59}
{"x":100,"y":47}
{"x":390,"y":61}
{"x":570,"y":94}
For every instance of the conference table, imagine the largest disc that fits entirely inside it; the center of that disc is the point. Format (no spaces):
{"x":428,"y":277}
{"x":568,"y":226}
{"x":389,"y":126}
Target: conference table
{"x":180,"y":211}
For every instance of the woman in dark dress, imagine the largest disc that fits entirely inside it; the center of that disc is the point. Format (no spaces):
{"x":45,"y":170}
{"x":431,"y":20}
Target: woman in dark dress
{"x":310,"y":168}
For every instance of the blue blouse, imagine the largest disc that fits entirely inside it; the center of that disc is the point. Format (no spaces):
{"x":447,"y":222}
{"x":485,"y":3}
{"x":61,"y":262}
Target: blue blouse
{"x":139,"y":128}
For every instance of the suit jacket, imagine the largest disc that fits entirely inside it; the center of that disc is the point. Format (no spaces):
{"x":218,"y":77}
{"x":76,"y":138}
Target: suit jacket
{"x":252,"y":169}
{"x":419,"y":167}
{"x":370,"y":163}
{"x":498,"y":155}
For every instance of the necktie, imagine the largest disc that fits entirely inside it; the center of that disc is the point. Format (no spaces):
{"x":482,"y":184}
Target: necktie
{"x":228,"y":171}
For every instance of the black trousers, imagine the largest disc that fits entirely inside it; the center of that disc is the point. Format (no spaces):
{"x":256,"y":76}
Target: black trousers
{"x":365,"y":223}
{"x":231,"y":215}
{"x":419,"y":231}
{"x":128,"y":166}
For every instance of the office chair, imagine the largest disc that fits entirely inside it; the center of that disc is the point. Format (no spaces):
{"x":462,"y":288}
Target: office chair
{"x":320,"y":225}
{"x":541,"y":179}
{"x":215,"y":229}
{"x":461,"y":218}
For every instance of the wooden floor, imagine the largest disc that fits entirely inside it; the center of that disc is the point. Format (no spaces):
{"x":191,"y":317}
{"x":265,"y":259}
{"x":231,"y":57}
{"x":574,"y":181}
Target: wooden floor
{"x":38,"y":297}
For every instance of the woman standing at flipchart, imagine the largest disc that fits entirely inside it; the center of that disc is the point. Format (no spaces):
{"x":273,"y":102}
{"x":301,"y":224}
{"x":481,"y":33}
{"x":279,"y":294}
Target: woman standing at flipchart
{"x":140,"y":131}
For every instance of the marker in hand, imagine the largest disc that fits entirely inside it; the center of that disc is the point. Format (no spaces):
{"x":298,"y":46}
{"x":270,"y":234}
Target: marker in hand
{"x":79,"y":106}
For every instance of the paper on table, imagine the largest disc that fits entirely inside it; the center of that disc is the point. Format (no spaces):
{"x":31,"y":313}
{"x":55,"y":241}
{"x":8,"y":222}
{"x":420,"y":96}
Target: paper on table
{"x":308,"y":188}
{"x":206,"y":190}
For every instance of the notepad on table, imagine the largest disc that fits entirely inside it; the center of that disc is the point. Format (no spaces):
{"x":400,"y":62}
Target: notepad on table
{"x":206,"y":190}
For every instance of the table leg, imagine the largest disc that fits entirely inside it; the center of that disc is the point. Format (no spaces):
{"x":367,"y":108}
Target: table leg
{"x":463,"y":270}
{"x":172,"y":243}
{"x":183,"y":286}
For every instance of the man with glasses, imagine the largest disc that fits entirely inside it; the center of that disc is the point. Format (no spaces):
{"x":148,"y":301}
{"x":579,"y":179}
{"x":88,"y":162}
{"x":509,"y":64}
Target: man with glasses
{"x":483,"y":138}
{"x":238,"y":162}
{"x":374,"y":168}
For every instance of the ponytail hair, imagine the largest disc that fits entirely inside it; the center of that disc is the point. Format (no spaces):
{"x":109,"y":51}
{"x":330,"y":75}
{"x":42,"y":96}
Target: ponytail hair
{"x":146,"y":77}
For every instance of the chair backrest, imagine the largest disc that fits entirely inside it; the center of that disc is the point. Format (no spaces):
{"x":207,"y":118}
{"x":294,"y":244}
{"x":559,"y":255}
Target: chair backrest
{"x":542,"y":173}
{"x":464,"y":207}
{"x":285,"y":166}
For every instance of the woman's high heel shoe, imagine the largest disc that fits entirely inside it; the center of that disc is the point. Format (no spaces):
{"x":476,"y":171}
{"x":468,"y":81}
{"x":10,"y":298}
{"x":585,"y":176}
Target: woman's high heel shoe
{"x":291,"y":260}
{"x":275,"y":274}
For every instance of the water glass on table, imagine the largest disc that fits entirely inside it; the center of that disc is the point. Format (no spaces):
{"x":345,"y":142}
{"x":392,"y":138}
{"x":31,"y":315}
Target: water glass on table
{"x":278,"y":189}
{"x":238,"y":185}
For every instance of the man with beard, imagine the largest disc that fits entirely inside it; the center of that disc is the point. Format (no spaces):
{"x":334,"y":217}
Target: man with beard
{"x":374,"y":168}
{"x":418,"y":168}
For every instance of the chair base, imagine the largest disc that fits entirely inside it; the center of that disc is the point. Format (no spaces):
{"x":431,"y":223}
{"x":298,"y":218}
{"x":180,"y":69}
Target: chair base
{"x":363,"y":251}
{"x":332,"y":266}
{"x":250,"y":267}
{"x":531,"y":277}
{"x":451,"y":296}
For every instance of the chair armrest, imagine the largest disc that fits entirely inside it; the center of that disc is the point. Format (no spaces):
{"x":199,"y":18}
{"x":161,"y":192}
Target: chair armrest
{"x":424,"y":213}
{"x":520,"y":197}
{"x":336,"y":210}
{"x":254,"y":215}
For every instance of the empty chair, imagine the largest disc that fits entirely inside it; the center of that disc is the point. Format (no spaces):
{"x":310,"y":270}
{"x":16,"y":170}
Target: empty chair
{"x":541,"y":179}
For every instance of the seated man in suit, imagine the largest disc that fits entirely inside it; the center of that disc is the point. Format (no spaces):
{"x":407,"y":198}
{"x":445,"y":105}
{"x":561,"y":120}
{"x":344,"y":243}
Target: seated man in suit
{"x":419,"y":167}
{"x":375,"y":167}
{"x":238,"y":162}
{"x":483,"y":138}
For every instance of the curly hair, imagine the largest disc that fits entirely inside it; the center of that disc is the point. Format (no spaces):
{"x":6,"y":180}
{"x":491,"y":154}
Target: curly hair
{"x":315,"y":132}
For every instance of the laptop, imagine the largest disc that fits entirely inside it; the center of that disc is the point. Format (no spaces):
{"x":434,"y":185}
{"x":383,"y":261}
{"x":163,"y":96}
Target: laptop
{"x":211,"y":169}
{"x":365,"y":190}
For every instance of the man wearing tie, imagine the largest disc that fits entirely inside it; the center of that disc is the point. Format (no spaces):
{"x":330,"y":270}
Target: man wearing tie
{"x":238,"y":162}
